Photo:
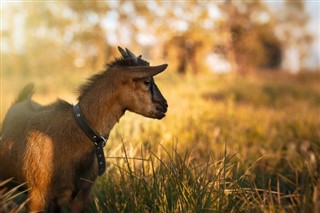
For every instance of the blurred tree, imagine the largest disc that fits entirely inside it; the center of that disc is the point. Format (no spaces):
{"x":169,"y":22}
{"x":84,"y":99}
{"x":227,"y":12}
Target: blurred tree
{"x":75,"y":34}
{"x":43,"y":40}
{"x":251,"y":42}
{"x":293,"y":33}
{"x":56,"y":36}
{"x":11,"y":50}
{"x":189,"y":35}
{"x":32,"y":38}
{"x":88,"y":34}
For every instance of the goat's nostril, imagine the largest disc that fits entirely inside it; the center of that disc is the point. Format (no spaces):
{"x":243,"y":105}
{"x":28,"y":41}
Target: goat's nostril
{"x":162,"y":107}
{"x":165,"y":107}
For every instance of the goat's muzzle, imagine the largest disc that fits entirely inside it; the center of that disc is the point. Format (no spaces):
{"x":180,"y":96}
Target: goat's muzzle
{"x":161,"y":110}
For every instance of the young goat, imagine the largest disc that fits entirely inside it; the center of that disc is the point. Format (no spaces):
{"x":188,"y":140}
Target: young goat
{"x":48,"y":147}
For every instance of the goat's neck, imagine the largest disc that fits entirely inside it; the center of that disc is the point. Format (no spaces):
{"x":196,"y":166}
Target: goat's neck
{"x":101,"y":112}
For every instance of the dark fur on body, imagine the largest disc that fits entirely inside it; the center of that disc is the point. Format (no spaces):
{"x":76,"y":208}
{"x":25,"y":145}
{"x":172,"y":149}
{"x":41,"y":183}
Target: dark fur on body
{"x":44,"y":146}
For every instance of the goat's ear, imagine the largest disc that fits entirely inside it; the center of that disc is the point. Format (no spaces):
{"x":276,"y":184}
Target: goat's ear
{"x":145,"y":71}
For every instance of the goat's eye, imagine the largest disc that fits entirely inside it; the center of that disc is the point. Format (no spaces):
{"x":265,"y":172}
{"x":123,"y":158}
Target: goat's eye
{"x":147,"y":83}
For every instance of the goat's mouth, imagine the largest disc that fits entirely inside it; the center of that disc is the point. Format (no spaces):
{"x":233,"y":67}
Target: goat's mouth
{"x":161,"y":111}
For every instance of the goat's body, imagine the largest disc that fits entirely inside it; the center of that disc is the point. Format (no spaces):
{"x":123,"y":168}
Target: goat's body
{"x":51,"y":153}
{"x":44,"y":135}
{"x":44,"y":147}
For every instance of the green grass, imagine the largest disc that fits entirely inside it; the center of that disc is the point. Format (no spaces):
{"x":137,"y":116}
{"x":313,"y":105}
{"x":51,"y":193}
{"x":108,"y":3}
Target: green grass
{"x":228,"y":144}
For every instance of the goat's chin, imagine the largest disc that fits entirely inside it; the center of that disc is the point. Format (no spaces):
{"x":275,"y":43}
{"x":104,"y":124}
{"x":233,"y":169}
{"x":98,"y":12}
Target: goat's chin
{"x":156,"y":115}
{"x":160,"y":115}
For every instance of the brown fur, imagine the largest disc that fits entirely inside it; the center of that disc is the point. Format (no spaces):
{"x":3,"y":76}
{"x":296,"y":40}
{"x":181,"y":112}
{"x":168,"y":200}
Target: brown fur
{"x":44,"y":146}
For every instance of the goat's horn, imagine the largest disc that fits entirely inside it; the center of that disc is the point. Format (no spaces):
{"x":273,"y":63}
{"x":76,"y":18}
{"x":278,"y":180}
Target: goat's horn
{"x":145,"y":71}
{"x":123,"y":52}
{"x":131,"y":54}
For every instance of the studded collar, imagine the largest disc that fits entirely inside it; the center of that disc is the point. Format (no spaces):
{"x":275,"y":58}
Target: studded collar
{"x":98,"y":140}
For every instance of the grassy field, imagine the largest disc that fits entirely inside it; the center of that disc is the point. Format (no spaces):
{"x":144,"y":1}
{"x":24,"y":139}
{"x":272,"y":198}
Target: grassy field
{"x":228,"y":144}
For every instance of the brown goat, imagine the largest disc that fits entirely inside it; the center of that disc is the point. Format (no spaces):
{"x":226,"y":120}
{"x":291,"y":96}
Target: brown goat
{"x":45,"y":147}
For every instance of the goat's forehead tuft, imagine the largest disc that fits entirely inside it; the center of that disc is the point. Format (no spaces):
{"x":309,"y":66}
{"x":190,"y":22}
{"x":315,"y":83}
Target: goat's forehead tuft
{"x":128,"y":62}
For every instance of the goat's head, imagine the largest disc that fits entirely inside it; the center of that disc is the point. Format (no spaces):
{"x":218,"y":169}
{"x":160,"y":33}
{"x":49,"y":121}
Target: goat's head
{"x":140,"y":93}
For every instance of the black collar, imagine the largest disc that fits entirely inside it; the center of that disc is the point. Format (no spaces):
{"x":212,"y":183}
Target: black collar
{"x":98,"y":140}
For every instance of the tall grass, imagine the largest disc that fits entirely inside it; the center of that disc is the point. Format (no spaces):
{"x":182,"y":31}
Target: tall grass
{"x":175,"y":183}
{"x":227,"y":144}
{"x":170,"y":182}
{"x":10,"y":200}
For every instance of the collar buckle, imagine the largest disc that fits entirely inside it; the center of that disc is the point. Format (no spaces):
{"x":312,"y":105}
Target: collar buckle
{"x":101,"y":141}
